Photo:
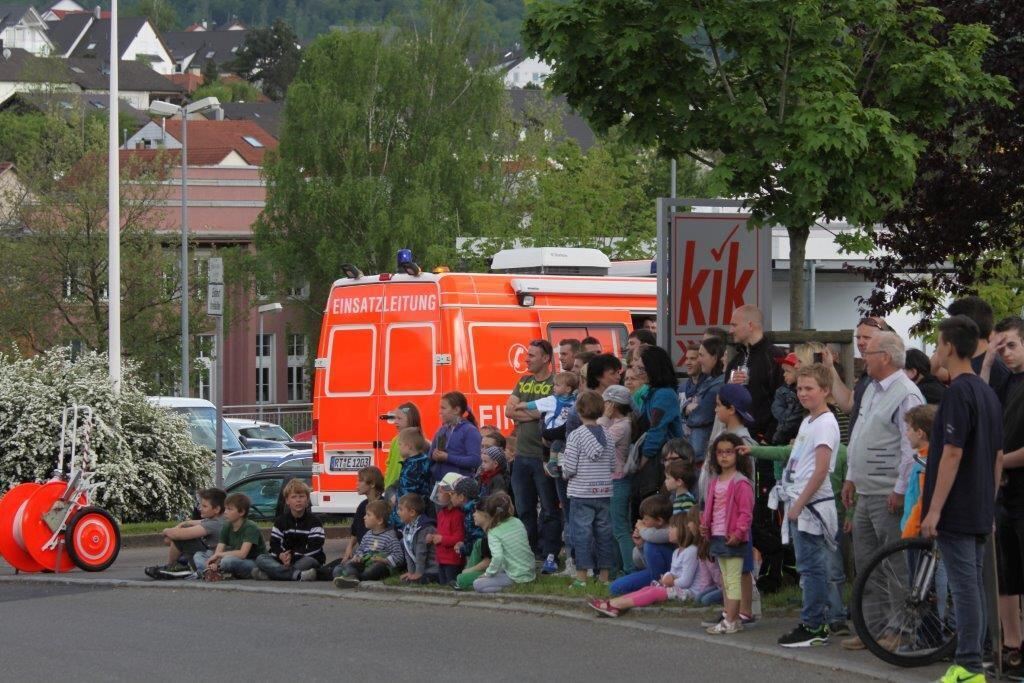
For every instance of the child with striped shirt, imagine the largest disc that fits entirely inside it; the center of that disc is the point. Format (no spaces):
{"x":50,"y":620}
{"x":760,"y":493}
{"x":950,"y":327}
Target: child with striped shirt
{"x":587,"y":464}
{"x":512,"y":559}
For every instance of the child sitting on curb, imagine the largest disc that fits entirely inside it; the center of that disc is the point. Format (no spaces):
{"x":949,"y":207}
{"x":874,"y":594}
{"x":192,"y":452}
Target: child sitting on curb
{"x":512,"y":559}
{"x":190,"y":537}
{"x":296,"y":541}
{"x":379,"y":553}
{"x":239,"y":545}
{"x":479,"y":558}
{"x":675,"y":583}
{"x":417,"y":531}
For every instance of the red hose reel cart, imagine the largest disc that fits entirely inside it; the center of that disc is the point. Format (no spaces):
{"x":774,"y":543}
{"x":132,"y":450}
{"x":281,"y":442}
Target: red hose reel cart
{"x":54,"y":527}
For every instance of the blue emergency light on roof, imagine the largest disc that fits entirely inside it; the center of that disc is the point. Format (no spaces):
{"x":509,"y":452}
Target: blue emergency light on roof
{"x":654,"y":267}
{"x":407,"y":264}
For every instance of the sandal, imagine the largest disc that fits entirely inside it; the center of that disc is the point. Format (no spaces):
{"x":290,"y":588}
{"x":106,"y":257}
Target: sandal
{"x":603,"y":607}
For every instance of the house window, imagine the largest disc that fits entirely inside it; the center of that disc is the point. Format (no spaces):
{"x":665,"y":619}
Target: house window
{"x":206,"y":353}
{"x":264,"y":368}
{"x":252,"y":141}
{"x":299,"y":290}
{"x":298,"y":345}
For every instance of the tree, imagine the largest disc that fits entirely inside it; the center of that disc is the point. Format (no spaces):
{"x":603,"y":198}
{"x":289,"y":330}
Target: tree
{"x":387,"y":142}
{"x":54,"y":254}
{"x":160,"y":13}
{"x":809,"y":110}
{"x":270,"y":57}
{"x":228,"y":91}
{"x":969,"y":191}
{"x":211,"y":74}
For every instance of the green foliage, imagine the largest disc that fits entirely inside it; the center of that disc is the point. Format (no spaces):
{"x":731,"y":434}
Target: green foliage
{"x":142,"y":454}
{"x":808,"y":106}
{"x":160,"y":13}
{"x":228,"y":91}
{"x":387,"y":143}
{"x":1003,"y":287}
{"x":270,"y":57}
{"x":54,"y":252}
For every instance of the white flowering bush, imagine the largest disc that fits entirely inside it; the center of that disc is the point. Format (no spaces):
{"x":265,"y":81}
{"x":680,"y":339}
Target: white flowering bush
{"x":148,"y":466}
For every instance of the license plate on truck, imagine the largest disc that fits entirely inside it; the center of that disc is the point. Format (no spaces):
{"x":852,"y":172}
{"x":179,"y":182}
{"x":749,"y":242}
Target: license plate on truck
{"x":350,"y":463}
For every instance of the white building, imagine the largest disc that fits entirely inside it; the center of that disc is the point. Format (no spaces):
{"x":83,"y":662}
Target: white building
{"x":21,"y":27}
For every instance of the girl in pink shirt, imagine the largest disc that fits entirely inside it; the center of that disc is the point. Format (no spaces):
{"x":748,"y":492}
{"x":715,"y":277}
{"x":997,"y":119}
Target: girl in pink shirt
{"x":728,"y":513}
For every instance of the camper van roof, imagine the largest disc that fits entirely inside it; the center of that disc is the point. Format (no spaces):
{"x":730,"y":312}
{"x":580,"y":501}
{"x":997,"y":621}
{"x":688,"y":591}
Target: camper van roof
{"x":549,"y":257}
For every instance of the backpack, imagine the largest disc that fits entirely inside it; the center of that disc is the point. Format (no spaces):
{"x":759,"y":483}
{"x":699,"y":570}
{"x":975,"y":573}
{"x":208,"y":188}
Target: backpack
{"x":635,"y":457}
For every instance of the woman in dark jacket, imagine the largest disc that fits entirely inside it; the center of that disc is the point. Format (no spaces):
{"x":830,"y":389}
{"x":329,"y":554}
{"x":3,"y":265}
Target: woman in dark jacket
{"x":919,"y":369}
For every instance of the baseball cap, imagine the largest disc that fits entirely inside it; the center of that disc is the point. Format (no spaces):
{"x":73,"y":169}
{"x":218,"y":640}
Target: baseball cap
{"x":789,"y":359}
{"x":449,"y":480}
{"x":737,"y":396}
{"x":617,"y":393}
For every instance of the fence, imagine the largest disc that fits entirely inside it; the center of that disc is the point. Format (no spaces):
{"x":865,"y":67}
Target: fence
{"x":294,"y":417}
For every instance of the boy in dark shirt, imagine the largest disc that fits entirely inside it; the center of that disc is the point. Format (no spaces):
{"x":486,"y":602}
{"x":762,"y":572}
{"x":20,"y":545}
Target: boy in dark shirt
{"x":296,"y":541}
{"x":964,"y":465}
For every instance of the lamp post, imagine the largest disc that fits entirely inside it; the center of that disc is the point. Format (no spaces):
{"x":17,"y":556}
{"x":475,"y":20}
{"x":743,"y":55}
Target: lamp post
{"x":164,"y":110}
{"x":265,"y":308}
{"x":114,"y":215}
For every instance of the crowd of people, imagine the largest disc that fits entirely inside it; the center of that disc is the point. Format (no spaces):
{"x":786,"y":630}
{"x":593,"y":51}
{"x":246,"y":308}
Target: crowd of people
{"x":618,"y":472}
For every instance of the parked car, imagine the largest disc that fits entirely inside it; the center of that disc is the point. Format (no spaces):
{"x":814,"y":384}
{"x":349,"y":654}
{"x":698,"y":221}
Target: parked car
{"x":244,"y":463}
{"x":201,"y":416}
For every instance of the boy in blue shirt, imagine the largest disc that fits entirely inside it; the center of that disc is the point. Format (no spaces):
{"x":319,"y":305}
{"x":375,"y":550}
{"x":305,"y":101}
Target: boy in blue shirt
{"x":555,"y":410}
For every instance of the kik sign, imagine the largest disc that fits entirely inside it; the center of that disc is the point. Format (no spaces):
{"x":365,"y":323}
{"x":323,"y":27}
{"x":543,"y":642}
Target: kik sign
{"x":716,"y":266}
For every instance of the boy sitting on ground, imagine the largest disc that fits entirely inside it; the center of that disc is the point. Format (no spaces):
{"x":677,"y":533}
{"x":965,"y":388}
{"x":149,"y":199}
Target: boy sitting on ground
{"x":239,"y":545}
{"x":417,"y":532}
{"x":466,"y":495}
{"x":190,"y":537}
{"x":379,"y":553}
{"x":296,"y":541}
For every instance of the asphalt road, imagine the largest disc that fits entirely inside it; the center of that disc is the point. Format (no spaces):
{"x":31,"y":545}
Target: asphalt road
{"x":88,"y":633}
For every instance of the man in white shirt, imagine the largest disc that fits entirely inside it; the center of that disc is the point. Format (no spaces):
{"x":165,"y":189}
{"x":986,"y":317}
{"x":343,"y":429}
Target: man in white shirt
{"x":879,"y":458}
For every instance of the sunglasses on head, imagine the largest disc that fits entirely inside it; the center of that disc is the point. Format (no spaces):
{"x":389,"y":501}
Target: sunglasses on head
{"x":871,"y":322}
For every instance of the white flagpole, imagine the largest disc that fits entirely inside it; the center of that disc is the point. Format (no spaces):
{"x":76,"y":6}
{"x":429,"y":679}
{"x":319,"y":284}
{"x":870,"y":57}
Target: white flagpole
{"x":114,"y":214}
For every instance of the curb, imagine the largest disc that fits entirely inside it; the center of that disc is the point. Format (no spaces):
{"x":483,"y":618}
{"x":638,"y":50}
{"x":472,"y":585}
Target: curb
{"x":501,"y":602}
{"x":156,"y":539}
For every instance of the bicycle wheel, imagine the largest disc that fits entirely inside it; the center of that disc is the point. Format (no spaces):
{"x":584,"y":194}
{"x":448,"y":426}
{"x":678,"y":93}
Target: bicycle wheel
{"x":902,"y":608}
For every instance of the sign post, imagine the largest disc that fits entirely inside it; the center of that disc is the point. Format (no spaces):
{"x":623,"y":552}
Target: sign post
{"x":215,"y":307}
{"x":709,"y":264}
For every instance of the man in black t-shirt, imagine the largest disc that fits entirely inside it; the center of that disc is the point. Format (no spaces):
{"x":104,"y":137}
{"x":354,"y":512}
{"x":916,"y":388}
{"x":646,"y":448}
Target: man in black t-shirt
{"x":964,"y":466}
{"x":1008,"y":343}
{"x":995,"y":372}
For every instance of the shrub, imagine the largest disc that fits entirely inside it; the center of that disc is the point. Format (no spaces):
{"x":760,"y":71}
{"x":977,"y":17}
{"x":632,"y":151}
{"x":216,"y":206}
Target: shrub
{"x":143,"y":458}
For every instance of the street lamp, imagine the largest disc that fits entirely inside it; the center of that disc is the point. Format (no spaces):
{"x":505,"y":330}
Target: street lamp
{"x":165,"y":110}
{"x":265,"y":308}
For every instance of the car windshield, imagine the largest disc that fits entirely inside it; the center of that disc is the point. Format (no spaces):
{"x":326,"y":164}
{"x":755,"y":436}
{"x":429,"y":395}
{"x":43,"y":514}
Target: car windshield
{"x":239,"y":469}
{"x":268,"y":432}
{"x":202,"y":423}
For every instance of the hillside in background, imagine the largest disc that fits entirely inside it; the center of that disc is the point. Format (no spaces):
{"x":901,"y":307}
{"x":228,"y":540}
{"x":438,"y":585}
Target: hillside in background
{"x":502,"y":18}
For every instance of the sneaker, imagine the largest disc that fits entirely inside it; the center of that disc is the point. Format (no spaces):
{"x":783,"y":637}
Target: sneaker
{"x":307,"y":575}
{"x":570,"y":568}
{"x":854,"y":643}
{"x":802,"y":636}
{"x":550,"y":566}
{"x":747,"y":620}
{"x":725,"y":628}
{"x":838,"y":628}
{"x":154,"y":572}
{"x":603,"y":607}
{"x":958,"y":674}
{"x":258,"y":574}
{"x":346,"y":582}
{"x":171,"y":571}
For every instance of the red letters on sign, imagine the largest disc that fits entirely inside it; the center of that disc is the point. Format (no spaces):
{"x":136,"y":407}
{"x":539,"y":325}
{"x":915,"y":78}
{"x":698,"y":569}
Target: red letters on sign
{"x":722,"y":300}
